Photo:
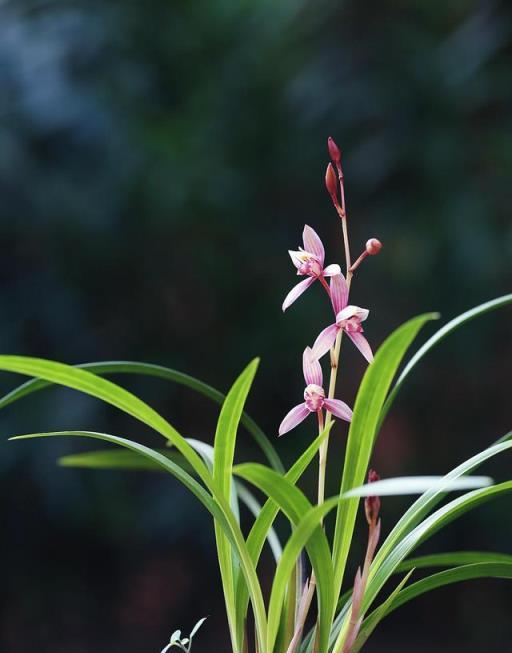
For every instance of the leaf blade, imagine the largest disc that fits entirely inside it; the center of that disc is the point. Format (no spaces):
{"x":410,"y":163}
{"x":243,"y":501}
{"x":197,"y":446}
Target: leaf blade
{"x":444,"y":331}
{"x":156,"y":371}
{"x":363,"y":430}
{"x":223,"y":455}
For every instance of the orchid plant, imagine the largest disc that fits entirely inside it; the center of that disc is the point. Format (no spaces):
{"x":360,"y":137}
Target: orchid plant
{"x":309,"y":563}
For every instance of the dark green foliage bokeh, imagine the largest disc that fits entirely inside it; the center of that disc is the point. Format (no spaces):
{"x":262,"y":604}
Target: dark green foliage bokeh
{"x":156,"y":162}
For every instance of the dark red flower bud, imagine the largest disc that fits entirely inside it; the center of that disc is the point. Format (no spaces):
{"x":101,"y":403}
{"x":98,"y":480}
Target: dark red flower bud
{"x":372,"y":504}
{"x":331,"y":182}
{"x":373,"y":246}
{"x":373,"y":477}
{"x":334,"y":151}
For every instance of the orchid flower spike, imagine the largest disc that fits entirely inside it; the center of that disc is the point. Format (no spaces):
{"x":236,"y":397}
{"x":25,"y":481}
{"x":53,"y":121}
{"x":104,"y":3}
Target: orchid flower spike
{"x":309,"y":262}
{"x":314,"y":397}
{"x":348,"y":319}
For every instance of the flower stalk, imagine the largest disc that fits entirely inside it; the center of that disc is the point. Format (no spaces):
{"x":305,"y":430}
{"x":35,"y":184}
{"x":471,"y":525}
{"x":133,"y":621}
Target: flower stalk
{"x":309,"y":261}
{"x":335,"y":155}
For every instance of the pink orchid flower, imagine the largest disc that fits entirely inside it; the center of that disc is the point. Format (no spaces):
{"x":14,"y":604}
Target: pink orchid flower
{"x":309,"y":262}
{"x":348,"y":319}
{"x":314,"y":397}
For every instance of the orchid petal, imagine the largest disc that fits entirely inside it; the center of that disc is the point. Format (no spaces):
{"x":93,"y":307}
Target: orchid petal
{"x":312,"y":368}
{"x":293,"y":418}
{"x":339,"y":293}
{"x":313,"y":244}
{"x":297,"y":291}
{"x":339,"y":409}
{"x":352,"y":311}
{"x":332,"y":270}
{"x":325,"y":341}
{"x":296,"y":257}
{"x":362,"y":344}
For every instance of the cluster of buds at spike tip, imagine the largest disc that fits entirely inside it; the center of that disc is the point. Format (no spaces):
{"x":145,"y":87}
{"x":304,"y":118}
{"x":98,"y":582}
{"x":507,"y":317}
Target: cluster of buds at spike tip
{"x":372,"y":503}
{"x":334,"y":177}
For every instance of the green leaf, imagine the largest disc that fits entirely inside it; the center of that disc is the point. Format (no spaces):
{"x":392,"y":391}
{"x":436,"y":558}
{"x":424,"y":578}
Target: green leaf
{"x":121,"y":460}
{"x":308,"y":525}
{"x":444,"y":331}
{"x":255,"y":508}
{"x":363,"y":431}
{"x":404,"y":485}
{"x":427,"y":502}
{"x":454,"y":558}
{"x":373,"y":620}
{"x":223,"y":454}
{"x":498,"y":569}
{"x":158,"y":371}
{"x":484,"y":569}
{"x":127,"y":460}
{"x":294,"y":504}
{"x":444,"y":515}
{"x":260,"y":529}
{"x":88,"y":383}
{"x":219,"y":508}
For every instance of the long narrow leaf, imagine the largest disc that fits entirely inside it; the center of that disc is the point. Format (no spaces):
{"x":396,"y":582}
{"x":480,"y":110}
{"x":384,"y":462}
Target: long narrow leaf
{"x":218,"y":508}
{"x":427,"y":502}
{"x":444,"y":331}
{"x":450,"y":576}
{"x":294,"y":504}
{"x":373,"y":620}
{"x":262,"y":525}
{"x":455,"y":558}
{"x":111,"y":459}
{"x":444,"y":515}
{"x":84,"y":381}
{"x":158,"y":371}
{"x":363,"y":431}
{"x":405,"y":485}
{"x":223,"y":454}
{"x":502,"y":570}
{"x":308,"y":525}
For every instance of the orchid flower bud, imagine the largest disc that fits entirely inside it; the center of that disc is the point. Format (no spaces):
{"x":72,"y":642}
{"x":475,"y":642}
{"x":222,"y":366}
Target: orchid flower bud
{"x":334,"y":151}
{"x":331,"y":182}
{"x":373,"y":246}
{"x":372,"y":504}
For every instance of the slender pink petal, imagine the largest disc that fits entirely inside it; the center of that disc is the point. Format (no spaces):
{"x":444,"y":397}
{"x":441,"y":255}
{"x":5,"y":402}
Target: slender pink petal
{"x":332,"y":270}
{"x":339,"y":293}
{"x":312,"y":368}
{"x":294,"y":417}
{"x":338,"y":408}
{"x":352,"y":311}
{"x":297,"y":291}
{"x":325,"y":341}
{"x":295,"y":255}
{"x":362,"y":344}
{"x":313,"y":244}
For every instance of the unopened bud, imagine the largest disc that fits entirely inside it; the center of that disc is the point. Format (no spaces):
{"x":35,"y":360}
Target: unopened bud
{"x":331,"y":182}
{"x":372,"y":503}
{"x":373,"y":246}
{"x":334,"y":151}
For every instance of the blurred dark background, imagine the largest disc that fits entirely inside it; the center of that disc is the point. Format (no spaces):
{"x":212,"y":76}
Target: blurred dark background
{"x":157,"y":160}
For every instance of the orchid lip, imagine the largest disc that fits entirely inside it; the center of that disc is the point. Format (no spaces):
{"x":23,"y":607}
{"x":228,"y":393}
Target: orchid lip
{"x":314,"y":397}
